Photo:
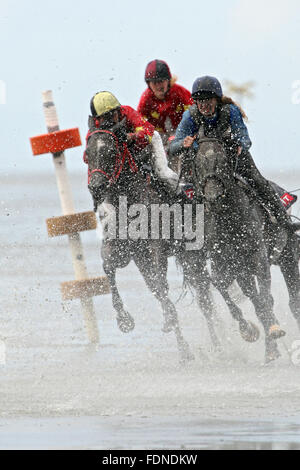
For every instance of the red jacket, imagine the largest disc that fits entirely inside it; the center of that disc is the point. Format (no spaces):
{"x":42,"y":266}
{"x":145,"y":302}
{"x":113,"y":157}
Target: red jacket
{"x":142,"y":131}
{"x":177,"y":100}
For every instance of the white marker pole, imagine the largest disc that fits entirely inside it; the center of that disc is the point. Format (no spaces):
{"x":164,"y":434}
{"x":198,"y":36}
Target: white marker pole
{"x":67,"y":205}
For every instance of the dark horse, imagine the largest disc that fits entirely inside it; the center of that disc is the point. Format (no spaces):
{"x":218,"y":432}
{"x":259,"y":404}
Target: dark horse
{"x":283,"y":251}
{"x":116,"y":182}
{"x":283,"y":248}
{"x":234,"y":237}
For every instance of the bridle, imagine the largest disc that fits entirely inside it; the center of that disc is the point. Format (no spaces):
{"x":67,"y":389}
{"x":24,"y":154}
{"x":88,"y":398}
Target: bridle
{"x":209,"y":176}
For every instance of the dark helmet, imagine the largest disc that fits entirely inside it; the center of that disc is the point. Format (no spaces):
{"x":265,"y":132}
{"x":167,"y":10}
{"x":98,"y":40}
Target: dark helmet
{"x":157,"y":70}
{"x":103,"y":102}
{"x":205,"y":87}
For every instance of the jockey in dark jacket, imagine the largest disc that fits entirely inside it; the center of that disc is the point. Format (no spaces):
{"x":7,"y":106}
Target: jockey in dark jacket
{"x":220,"y":117}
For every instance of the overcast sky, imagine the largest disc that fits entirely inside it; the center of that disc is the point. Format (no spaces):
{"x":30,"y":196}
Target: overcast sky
{"x":76,"y":49}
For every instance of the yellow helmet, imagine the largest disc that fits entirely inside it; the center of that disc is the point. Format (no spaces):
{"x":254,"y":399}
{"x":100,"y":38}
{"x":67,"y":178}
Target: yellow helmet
{"x":103,"y":102}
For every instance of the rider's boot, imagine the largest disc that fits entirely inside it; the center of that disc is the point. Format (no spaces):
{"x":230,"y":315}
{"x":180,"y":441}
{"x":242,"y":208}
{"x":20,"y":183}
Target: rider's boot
{"x":246,"y":167}
{"x":275,"y":206}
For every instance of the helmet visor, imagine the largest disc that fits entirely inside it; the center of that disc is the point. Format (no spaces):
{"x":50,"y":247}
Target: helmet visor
{"x":203,"y":95}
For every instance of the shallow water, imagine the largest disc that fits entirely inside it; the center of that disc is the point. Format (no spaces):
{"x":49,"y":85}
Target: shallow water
{"x":131,"y":392}
{"x":127,"y":433}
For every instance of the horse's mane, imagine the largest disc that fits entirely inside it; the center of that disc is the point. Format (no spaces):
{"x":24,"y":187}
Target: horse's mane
{"x":228,"y":100}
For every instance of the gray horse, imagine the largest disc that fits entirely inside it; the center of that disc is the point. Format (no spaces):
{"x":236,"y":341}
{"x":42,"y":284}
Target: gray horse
{"x":234,"y":237}
{"x":117,"y":184}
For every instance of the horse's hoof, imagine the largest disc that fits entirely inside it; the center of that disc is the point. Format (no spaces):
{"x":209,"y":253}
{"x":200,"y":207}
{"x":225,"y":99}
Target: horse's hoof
{"x":184,"y":360}
{"x":275,"y":332}
{"x":167,"y":327}
{"x":216,"y":344}
{"x":190,"y":357}
{"x":125,"y":323}
{"x":217,"y":349}
{"x":272,"y":355}
{"x":249,"y":331}
{"x":185,"y":354}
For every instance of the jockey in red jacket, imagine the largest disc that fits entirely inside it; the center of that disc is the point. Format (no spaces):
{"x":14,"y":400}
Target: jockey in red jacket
{"x":137,"y":134}
{"x":164,"y":102}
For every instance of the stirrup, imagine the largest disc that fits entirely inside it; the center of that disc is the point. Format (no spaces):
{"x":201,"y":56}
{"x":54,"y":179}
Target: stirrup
{"x":276,"y":332}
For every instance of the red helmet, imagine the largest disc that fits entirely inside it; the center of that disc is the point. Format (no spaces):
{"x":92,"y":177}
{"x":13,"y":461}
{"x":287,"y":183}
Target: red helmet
{"x":156,"y":71}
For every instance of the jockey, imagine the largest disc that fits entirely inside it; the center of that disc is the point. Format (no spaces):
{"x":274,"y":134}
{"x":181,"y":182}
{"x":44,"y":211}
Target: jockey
{"x":135,"y":133}
{"x":164,"y":102}
{"x":220,"y":117}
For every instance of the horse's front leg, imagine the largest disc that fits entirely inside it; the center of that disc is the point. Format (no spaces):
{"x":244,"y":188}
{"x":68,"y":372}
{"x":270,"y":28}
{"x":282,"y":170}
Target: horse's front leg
{"x":248,"y":330}
{"x":111,"y":260}
{"x":289,"y":266}
{"x":197,"y":276}
{"x":264,"y":310}
{"x":152,"y":263}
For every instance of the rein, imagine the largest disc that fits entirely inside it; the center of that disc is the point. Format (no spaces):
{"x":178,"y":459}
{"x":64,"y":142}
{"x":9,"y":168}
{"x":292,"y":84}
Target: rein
{"x":121,"y":157}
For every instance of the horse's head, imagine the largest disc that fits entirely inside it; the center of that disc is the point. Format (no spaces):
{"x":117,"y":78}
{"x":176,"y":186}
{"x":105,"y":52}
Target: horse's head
{"x":105,"y":157}
{"x":212,"y":170}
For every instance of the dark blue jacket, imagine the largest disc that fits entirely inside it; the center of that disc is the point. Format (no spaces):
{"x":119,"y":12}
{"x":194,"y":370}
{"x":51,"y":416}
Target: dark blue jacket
{"x":189,"y":127}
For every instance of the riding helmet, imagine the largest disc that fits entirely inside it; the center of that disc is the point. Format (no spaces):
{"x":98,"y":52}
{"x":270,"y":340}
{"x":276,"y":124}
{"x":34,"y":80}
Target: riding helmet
{"x":206,"y":87}
{"x":103,"y":102}
{"x":156,"y":71}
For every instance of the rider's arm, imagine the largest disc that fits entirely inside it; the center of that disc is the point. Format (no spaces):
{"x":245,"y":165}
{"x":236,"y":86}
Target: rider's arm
{"x":160,"y":163}
{"x":239,"y":130}
{"x":141,"y":130}
{"x":187,"y":127}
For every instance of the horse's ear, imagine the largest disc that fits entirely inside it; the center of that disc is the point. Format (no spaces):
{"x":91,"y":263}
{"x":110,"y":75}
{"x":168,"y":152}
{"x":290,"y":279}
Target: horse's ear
{"x":93,"y":122}
{"x":118,"y":125}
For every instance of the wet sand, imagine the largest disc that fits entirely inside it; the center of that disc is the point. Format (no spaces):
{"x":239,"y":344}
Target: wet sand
{"x":131,"y":392}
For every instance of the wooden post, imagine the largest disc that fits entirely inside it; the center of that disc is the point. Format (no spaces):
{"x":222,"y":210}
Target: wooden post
{"x":67,"y":205}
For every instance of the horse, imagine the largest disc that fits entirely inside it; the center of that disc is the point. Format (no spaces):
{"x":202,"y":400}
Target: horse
{"x":193,"y":262}
{"x":284,"y":251}
{"x":234,"y":237}
{"x":282,"y":245}
{"x":117,"y":185}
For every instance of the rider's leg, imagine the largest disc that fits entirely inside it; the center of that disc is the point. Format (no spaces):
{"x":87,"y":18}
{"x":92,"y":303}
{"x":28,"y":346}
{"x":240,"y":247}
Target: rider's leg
{"x":160,"y":163}
{"x":247,"y":168}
